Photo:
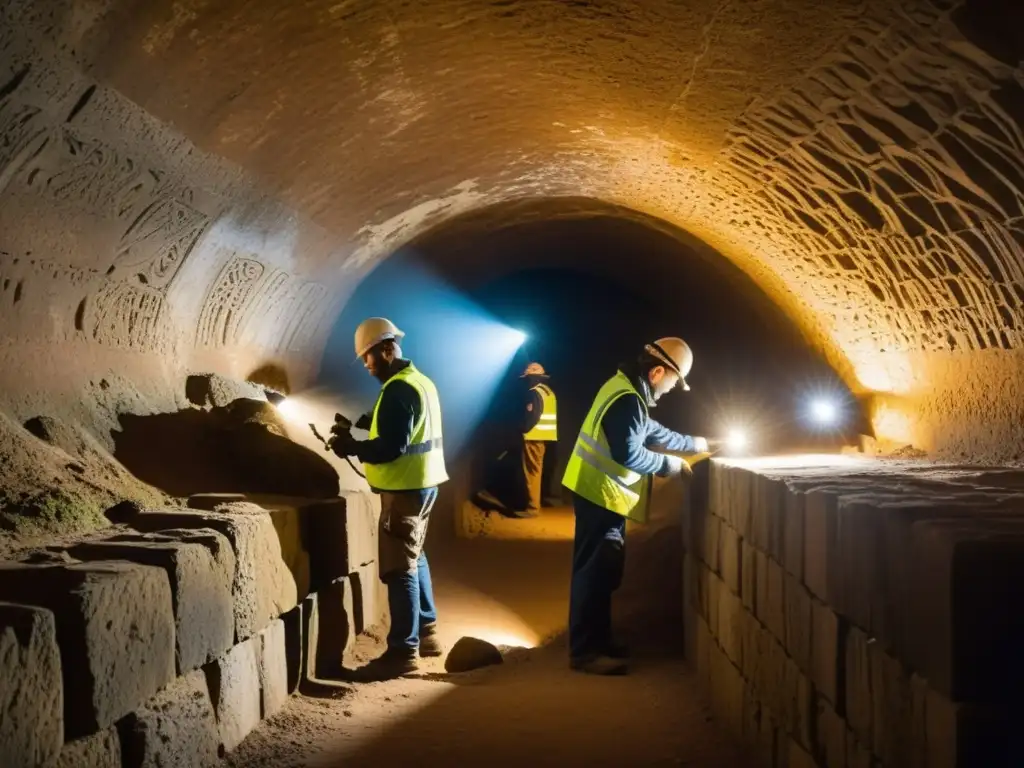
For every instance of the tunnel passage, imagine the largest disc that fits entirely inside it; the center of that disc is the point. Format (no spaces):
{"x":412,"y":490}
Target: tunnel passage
{"x":589,"y":284}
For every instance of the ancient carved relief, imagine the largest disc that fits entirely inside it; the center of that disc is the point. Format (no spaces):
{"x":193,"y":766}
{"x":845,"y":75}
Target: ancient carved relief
{"x":897,"y":172}
{"x":228,"y":302}
{"x":43,"y":156}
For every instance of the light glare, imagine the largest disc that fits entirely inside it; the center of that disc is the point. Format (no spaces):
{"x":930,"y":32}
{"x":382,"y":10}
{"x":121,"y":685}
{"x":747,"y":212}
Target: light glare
{"x":824,"y":411}
{"x":737,"y":440}
{"x":288,"y":408}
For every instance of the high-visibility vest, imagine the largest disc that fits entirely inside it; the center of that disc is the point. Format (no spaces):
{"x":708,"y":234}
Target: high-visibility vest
{"x":547,"y":428}
{"x":422,"y":465}
{"x":592,"y":472}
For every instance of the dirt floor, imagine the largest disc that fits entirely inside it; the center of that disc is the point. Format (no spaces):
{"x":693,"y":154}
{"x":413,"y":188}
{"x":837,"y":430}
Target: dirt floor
{"x":512,"y":589}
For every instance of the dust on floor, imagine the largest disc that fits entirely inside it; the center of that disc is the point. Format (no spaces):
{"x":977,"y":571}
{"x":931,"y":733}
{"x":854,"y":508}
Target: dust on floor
{"x":531,"y":710}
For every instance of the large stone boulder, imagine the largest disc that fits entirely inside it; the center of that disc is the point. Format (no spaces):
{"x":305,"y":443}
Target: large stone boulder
{"x":471,"y":653}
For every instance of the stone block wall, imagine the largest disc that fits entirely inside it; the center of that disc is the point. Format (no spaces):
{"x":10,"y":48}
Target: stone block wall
{"x":860,"y":614}
{"x":168,"y":644}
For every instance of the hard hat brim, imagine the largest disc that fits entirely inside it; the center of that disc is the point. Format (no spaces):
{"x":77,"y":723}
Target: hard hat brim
{"x":387,"y":336}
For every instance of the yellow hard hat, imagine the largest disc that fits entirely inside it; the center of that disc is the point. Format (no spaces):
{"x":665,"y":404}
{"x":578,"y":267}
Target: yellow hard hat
{"x":675,"y":354}
{"x":373,"y":331}
{"x":534,"y":369}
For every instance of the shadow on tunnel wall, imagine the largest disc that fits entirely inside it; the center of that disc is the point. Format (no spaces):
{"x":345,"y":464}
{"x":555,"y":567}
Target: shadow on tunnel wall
{"x":238,"y":448}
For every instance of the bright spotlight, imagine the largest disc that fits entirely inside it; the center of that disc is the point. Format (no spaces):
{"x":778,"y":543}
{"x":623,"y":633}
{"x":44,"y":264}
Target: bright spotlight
{"x":288,"y":408}
{"x":824,"y":412}
{"x":737,"y":440}
{"x":519,"y":336}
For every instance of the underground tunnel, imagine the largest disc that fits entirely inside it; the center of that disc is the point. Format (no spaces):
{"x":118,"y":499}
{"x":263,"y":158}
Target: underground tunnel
{"x":199,"y":203}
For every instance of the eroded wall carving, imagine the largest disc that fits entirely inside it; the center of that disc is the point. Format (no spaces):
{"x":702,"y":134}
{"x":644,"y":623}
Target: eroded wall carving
{"x":896,"y":172}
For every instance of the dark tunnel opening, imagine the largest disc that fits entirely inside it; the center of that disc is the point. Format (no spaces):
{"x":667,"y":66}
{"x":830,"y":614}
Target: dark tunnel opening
{"x":589,"y":284}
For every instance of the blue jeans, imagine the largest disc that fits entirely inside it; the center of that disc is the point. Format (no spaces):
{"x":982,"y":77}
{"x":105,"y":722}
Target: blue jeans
{"x":411,"y":601}
{"x":403,"y":564}
{"x":598,"y":559}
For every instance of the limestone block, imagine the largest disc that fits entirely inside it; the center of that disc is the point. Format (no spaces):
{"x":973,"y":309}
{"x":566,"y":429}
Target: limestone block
{"x":115,"y":631}
{"x":331,"y":628}
{"x":701,"y":658}
{"x":800,"y":710}
{"x":262,"y":588}
{"x":287,"y":519}
{"x":830,"y":736}
{"x":892,"y":718}
{"x":715,"y":585}
{"x":966,"y":637}
{"x":771,"y":596}
{"x":773,"y":683}
{"x":716,"y":488}
{"x":755,"y":643}
{"x":740,"y":495}
{"x":793,"y":534}
{"x":294,"y":644}
{"x":827,"y":654}
{"x":730,"y":558}
{"x":919,"y":693}
{"x":174,"y":729}
{"x":273,"y":668}
{"x":748,"y":577}
{"x":898,"y":521}
{"x":771,"y":498}
{"x":370,"y":597}
{"x":471,"y":653}
{"x":730,"y":625}
{"x":200,"y":593}
{"x":340,"y":535}
{"x":727,"y":691}
{"x":820,"y":540}
{"x":712,"y":547}
{"x":799,"y":757}
{"x":698,"y":586}
{"x":234,"y":684}
{"x":859,"y":699}
{"x":760,"y":511}
{"x":799,"y":623}
{"x":100,"y":750}
{"x":31,"y":701}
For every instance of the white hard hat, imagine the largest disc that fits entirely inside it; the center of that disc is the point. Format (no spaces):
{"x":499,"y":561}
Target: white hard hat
{"x":373,"y":331}
{"x":534,"y":369}
{"x":676,"y":354}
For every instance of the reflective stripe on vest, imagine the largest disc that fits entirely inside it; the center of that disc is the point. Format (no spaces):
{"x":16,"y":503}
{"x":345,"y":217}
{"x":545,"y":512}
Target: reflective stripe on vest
{"x":547,"y":428}
{"x":422,"y":465}
{"x":592,"y":472}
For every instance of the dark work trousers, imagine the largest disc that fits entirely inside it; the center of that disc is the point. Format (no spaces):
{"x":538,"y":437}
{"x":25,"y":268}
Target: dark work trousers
{"x":598,"y":559}
{"x":403,"y":564}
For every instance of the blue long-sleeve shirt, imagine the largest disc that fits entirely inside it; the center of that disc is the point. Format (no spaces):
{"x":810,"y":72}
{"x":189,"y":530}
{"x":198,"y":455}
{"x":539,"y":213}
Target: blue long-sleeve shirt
{"x":399,"y":410}
{"x":631,"y":433}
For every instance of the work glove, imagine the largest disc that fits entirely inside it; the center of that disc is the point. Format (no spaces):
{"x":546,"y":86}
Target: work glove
{"x":676,"y":466}
{"x":700,"y":444}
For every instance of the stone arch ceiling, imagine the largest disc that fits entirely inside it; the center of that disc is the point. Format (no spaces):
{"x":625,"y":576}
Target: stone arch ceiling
{"x":862,"y":161}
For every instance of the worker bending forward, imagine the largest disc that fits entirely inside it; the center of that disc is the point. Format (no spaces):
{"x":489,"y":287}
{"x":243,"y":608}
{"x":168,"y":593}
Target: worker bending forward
{"x":609,"y":474}
{"x":404,"y":463}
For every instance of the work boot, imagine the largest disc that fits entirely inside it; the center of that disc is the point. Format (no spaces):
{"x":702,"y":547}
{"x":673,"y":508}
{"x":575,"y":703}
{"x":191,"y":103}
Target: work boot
{"x":599,"y":665}
{"x":617,"y":650}
{"x":392,"y":664}
{"x":430,"y":645}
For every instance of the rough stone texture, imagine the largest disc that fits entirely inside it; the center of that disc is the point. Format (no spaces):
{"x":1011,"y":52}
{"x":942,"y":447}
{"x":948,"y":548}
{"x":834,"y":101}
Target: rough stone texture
{"x":470,"y":653}
{"x":31,"y":704}
{"x":115,"y":630}
{"x":176,"y":728}
{"x":262,"y":587}
{"x":211,"y":389}
{"x":200,"y":590}
{"x":370,"y":597}
{"x":340,"y":536}
{"x":273,"y":668}
{"x":234,"y":685}
{"x":331,"y":628}
{"x":963,"y":639}
{"x":101,"y":750}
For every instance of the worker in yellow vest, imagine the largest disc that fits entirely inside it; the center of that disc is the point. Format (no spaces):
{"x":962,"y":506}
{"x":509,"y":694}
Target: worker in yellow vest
{"x":404,"y":463}
{"x":539,"y":430}
{"x":609,"y":474}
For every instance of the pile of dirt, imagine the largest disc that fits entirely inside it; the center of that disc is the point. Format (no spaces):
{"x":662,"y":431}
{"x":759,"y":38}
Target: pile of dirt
{"x":57,"y":479}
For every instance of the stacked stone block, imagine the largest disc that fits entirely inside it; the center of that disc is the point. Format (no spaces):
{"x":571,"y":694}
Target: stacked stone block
{"x":860,"y":615}
{"x":168,"y":645}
